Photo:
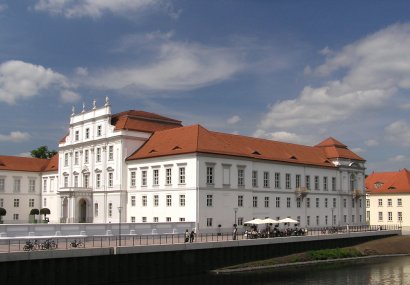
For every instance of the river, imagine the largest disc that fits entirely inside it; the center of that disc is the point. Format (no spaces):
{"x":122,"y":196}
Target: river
{"x":380,"y":271}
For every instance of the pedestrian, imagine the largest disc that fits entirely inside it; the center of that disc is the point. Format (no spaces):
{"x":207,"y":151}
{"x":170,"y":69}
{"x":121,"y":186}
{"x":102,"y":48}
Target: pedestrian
{"x":186,"y":235}
{"x":234,"y":233}
{"x":191,"y":236}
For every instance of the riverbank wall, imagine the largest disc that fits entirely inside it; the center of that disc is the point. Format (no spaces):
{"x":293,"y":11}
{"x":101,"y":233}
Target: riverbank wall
{"x":127,"y":264}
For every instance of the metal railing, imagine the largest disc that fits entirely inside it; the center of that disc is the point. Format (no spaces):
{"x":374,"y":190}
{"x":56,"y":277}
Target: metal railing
{"x":8,"y":245}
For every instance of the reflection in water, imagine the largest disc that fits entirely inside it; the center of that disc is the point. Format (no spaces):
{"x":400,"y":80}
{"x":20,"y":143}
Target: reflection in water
{"x":384,"y":271}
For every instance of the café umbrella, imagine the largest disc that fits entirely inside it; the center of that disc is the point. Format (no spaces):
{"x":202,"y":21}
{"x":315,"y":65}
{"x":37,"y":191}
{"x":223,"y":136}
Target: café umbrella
{"x":288,"y":220}
{"x":255,"y":222}
{"x":270,"y":221}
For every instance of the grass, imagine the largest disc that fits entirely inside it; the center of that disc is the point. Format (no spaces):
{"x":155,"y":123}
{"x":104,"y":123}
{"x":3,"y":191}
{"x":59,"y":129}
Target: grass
{"x":336,"y":253}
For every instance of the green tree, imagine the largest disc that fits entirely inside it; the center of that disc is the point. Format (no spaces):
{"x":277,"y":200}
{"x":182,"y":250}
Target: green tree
{"x":43,"y":152}
{"x":45,"y":212}
{"x":3,"y":212}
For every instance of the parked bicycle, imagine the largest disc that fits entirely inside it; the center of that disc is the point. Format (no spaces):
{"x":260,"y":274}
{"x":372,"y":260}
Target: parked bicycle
{"x":29,"y":246}
{"x":48,"y":244}
{"x":76,"y":244}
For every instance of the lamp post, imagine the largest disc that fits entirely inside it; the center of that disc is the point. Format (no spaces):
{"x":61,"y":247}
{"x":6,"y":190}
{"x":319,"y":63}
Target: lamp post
{"x":119,"y":211}
{"x":235,"y":211}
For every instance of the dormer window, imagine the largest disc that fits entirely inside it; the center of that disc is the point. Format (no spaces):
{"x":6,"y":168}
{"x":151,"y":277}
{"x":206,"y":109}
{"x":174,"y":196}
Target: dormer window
{"x":99,"y":131}
{"x":378,"y":185}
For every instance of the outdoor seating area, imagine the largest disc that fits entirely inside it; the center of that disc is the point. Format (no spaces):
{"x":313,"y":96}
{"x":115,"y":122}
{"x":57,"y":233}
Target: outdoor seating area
{"x":268,"y":228}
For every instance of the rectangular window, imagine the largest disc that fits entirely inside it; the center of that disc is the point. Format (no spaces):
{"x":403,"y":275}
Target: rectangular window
{"x":209,"y":200}
{"x":168,"y":176}
{"x":209,"y":222}
{"x":32,"y":185}
{"x":77,"y":135}
{"x":209,"y":175}
{"x":45,"y":202}
{"x":307,"y":181}
{"x":182,"y":175}
{"x":333,"y":183}
{"x":288,"y":202}
{"x":326,"y":220}
{"x":240,"y":200}
{"x":86,"y":157}
{"x":399,"y":202}
{"x":367,"y":203}
{"x":277,"y":204}
{"x":334,"y":202}
{"x":156,"y":200}
{"x":240,"y":221}
{"x":317,"y":203}
{"x":2,"y":184}
{"x":317,"y":220}
{"x":75,"y":181}
{"x":316,"y":182}
{"x":266,"y":179}
{"x":144,"y":200}
{"x":144,"y":219}
{"x":169,"y":201}
{"x":98,"y":157}
{"x":326,"y":202}
{"x":399,"y":216}
{"x":389,"y":202}
{"x":380,"y":202}
{"x":307,"y":202}
{"x":96,"y":209}
{"x":132,"y":219}
{"x":380,"y":216}
{"x":76,"y":157}
{"x":133,"y":178}
{"x":87,"y":133}
{"x":390,"y":216}
{"x":143,"y":178}
{"x":1,"y":202}
{"x":110,"y":179}
{"x":345,"y":218}
{"x":325,"y":187}
{"x":86,"y":182}
{"x":31,"y":203}
{"x":266,"y":202}
{"x":297,"y":180}
{"x":344,"y":203}
{"x":308,"y":220}
{"x":182,"y":219}
{"x":182,"y":200}
{"x":156,"y":219}
{"x":16,"y":203}
{"x":132,"y":201}
{"x":111,"y":152}
{"x":241,"y":181}
{"x":360,"y":202}
{"x":168,"y":219}
{"x":45,"y":185}
{"x":368,"y":216}
{"x":155,"y":177}
{"x":99,"y":131}
{"x":277,"y":180}
{"x":15,"y":217}
{"x":17,"y":184}
{"x":288,"y":181}
{"x":353,"y":203}
{"x":66,"y":159}
{"x":98,"y":180}
{"x":254,"y":178}
{"x":298,"y":202}
{"x":110,"y":210}
{"x":65,"y":181}
{"x":255,"y":201}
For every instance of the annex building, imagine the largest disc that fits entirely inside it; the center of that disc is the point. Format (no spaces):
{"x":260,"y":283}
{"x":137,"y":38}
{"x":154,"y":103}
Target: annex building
{"x":387,"y":196}
{"x":142,"y":167}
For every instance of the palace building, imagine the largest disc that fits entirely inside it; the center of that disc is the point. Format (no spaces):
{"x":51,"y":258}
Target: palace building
{"x":142,"y":167}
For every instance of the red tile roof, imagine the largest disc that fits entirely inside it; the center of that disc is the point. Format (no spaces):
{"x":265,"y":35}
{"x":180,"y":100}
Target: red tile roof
{"x":196,"y":138}
{"x":335,"y":149}
{"x":17,"y":163}
{"x":52,"y":164}
{"x":388,"y":182}
{"x":143,"y":121}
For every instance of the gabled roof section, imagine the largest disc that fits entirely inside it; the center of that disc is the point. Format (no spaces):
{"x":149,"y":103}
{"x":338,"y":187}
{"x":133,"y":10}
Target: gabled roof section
{"x":142,"y":121}
{"x":335,"y":149}
{"x":197,"y":139}
{"x":52,"y":164}
{"x":17,"y":163}
{"x":388,"y":182}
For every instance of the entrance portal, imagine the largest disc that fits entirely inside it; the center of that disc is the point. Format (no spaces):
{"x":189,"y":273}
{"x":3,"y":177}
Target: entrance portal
{"x":82,"y":211}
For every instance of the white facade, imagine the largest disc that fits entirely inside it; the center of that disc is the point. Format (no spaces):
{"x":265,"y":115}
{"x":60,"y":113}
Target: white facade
{"x":95,"y":183}
{"x":387,"y":209}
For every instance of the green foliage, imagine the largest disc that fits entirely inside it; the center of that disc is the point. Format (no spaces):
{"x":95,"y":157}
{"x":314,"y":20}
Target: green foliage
{"x":333,"y":253}
{"x":3,"y":212}
{"x":45,"y":212}
{"x":34,"y":212}
{"x":43,"y":152}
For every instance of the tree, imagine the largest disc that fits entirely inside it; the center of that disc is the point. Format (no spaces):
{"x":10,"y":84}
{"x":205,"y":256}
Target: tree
{"x":45,"y":212}
{"x":43,"y":152}
{"x":3,"y":212}
{"x":34,"y":212}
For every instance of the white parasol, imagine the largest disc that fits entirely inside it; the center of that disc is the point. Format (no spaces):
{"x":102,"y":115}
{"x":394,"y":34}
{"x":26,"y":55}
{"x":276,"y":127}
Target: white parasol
{"x":255,"y":222}
{"x":288,"y":220}
{"x":270,"y":221}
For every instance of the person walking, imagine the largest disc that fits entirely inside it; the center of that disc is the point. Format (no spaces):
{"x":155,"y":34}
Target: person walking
{"x":235,"y":232}
{"x":186,"y":236}
{"x":192,"y":236}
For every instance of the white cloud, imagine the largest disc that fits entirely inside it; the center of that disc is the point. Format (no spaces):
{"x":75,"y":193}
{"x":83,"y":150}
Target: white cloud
{"x":15,"y":136}
{"x":399,"y":158}
{"x":233,"y":120}
{"x":178,"y":66}
{"x":81,"y":71}
{"x":24,"y":154}
{"x":286,"y":137}
{"x":93,"y":8}
{"x":358,"y":150}
{"x":398,"y":133}
{"x":374,"y":69}
{"x":3,"y":7}
{"x":21,"y":80}
{"x":371,"y":142}
{"x":405,"y":106}
{"x":69,"y":96}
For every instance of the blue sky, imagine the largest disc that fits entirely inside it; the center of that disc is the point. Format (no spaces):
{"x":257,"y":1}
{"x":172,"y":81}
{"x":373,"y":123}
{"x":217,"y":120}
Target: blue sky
{"x":294,"y":71}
